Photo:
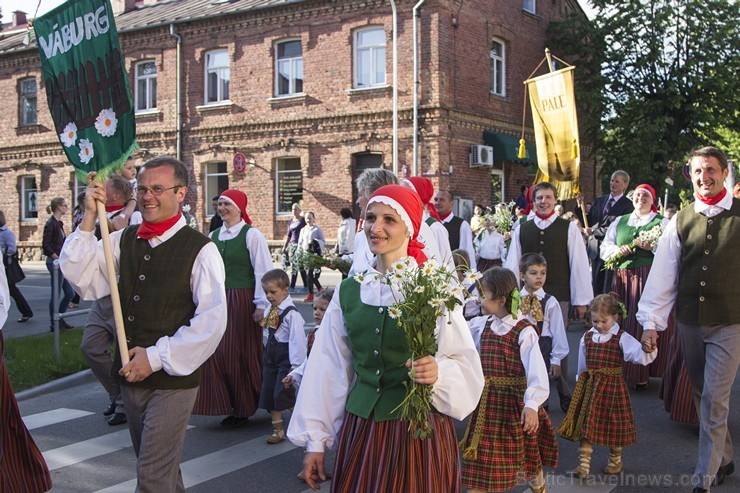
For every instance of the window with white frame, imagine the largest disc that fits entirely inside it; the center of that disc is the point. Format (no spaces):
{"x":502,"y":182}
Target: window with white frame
{"x":79,"y":187}
{"x":530,"y":6}
{"x":29,"y":198}
{"x":497,"y":186}
{"x":369,"y":57}
{"x":498,"y":67}
{"x":146,"y":85}
{"x":288,"y":184}
{"x":288,"y":68}
{"x":217,"y":180}
{"x":218,"y":74}
{"x":28,"y":101}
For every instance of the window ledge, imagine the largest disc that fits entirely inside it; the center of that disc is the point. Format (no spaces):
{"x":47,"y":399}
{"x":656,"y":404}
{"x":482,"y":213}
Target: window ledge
{"x":32,"y":128}
{"x":497,"y":95}
{"x":299,"y":97}
{"x":362,"y":90}
{"x":531,"y":14}
{"x":215,"y":106}
{"x":145,"y":113}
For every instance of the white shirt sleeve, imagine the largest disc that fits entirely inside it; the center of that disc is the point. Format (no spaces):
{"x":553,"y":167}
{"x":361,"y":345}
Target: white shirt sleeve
{"x":633,"y":352}
{"x":609,"y":244}
{"x":515,"y":252}
{"x":581,"y":356}
{"x":297,"y":345}
{"x":4,"y":298}
{"x":476,"y":326}
{"x":538,"y":385}
{"x":466,"y":243}
{"x":556,"y":329}
{"x":442,"y":238}
{"x":259,"y":254}
{"x":581,"y":289}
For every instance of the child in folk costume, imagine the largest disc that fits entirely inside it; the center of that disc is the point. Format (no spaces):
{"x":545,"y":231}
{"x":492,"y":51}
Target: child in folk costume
{"x":601,"y":411}
{"x":471,"y":308}
{"x":543,"y":310}
{"x":490,"y":246}
{"x":285,"y":349}
{"x":354,"y":380}
{"x":509,"y":436}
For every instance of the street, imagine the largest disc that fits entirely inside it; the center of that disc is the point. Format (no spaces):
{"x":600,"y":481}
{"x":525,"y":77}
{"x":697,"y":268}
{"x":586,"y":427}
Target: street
{"x":85,"y":454}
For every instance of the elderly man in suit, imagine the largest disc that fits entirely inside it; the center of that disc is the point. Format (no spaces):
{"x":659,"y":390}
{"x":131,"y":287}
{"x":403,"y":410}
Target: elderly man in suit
{"x":604,"y":211}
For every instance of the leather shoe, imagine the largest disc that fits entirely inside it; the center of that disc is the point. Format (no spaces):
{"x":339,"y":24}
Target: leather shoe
{"x":117,"y":419}
{"x":723,"y":472}
{"x":24,"y":319}
{"x":63,"y":325}
{"x":110,"y":409}
{"x":234,"y":422}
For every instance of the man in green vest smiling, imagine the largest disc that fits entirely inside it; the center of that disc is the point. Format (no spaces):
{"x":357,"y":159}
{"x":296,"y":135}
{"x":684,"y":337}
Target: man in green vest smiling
{"x":696,"y":267}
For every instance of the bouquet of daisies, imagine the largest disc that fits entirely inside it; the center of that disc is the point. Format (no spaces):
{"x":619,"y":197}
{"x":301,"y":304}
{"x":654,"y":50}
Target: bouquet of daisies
{"x":312,"y":261}
{"x":649,"y":236}
{"x":189,"y":218}
{"x":423,"y":293}
{"x":502,"y":217}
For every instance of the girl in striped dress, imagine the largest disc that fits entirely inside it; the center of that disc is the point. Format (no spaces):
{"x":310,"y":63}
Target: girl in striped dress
{"x":354,"y":379}
{"x":510,"y":436}
{"x":601,"y":412}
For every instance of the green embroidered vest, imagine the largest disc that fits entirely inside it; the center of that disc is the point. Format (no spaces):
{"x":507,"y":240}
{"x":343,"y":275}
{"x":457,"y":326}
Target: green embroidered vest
{"x":240,"y":272}
{"x":626,"y":234}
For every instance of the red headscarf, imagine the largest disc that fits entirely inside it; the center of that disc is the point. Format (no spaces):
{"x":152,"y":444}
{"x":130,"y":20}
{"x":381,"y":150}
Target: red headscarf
{"x":239,"y":199}
{"x":408,"y":205}
{"x":651,"y":190}
{"x":425,"y":189}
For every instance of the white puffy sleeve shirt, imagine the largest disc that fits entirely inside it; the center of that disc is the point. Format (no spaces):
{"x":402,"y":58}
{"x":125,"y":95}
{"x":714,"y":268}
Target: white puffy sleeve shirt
{"x":83,"y":264}
{"x":631,"y":348}
{"x":329,"y":375}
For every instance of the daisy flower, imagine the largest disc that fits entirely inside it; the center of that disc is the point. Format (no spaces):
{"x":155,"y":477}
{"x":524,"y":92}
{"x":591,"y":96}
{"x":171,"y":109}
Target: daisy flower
{"x":419,"y":289}
{"x":69,"y":135}
{"x":106,"y":122}
{"x":394,"y":312}
{"x":86,"y":151}
{"x":471,"y":276}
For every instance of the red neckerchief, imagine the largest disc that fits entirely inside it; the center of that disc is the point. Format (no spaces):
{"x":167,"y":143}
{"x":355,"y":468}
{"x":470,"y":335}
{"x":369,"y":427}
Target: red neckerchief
{"x":544,"y":218}
{"x":442,"y":219}
{"x":149,"y":230}
{"x":712,"y":200}
{"x":113,"y":208}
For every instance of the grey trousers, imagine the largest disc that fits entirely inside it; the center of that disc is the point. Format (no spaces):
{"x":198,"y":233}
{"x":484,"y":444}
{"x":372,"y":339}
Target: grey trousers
{"x":97,"y":338}
{"x":157,"y":422}
{"x":712,"y":356}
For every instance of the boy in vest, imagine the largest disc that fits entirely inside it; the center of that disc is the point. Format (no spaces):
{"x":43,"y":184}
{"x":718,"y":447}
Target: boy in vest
{"x":285,"y":350}
{"x":543,"y":310}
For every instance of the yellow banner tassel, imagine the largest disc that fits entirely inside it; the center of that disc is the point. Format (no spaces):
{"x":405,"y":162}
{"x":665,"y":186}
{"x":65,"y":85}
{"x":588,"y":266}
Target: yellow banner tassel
{"x":522,"y":150}
{"x":574,"y":149}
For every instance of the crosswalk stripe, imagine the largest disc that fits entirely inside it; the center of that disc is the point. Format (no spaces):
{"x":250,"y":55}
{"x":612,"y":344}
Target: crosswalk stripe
{"x":53,"y":417}
{"x":88,"y":449}
{"x":219,"y":463}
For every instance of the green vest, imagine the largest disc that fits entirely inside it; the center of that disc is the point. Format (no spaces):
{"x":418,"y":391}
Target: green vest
{"x":626,"y":234}
{"x":156,"y":298}
{"x":710,"y":265}
{"x":431,"y":220}
{"x":379,"y":354}
{"x":239,"y":271}
{"x":552,"y":242}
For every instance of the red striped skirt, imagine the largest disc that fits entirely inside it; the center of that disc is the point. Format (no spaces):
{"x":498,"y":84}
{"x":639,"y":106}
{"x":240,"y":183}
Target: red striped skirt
{"x":22,"y":467}
{"x":232,"y":377}
{"x":629,"y":285}
{"x":381,"y":457}
{"x":675,"y":388}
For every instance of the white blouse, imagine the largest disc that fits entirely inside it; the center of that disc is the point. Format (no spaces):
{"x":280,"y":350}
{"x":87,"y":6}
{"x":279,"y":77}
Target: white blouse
{"x":631,"y":348}
{"x":609,"y":245}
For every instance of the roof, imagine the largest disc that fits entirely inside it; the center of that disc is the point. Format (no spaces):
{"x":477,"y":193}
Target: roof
{"x":160,"y":14}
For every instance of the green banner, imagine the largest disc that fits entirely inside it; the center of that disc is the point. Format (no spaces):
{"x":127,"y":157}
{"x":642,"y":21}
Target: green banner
{"x":86,"y":85}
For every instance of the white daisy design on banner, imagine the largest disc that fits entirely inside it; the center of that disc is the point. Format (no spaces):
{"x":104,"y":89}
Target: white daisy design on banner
{"x":106,"y":122}
{"x":69,"y":135}
{"x":86,"y":151}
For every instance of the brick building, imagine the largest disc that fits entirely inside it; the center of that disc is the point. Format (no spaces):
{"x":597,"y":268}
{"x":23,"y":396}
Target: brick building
{"x":303,"y":89}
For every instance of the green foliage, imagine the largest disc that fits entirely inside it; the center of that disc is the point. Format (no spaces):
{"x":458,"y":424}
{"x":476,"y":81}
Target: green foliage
{"x":668,"y":81}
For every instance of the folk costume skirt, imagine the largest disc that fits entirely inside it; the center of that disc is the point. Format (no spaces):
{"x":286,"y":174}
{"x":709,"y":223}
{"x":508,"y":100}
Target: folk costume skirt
{"x":629,"y":285}
{"x":676,"y":389}
{"x":381,"y":457}
{"x":22,"y":467}
{"x":232,"y":377}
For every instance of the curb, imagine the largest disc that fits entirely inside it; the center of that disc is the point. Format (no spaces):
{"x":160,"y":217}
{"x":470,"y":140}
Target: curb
{"x":84,"y":376}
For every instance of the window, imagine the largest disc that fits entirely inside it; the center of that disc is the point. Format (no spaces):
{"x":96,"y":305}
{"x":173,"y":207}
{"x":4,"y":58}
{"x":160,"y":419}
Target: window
{"x":530,"y":6}
{"x":369,"y":57}
{"x":288,"y":68}
{"x":217,"y":180}
{"x":79,"y":187}
{"x":498,"y":68}
{"x":288,"y":184}
{"x":217,"y":76}
{"x":146,"y":86}
{"x":29,"y":199}
{"x":497,"y":186}
{"x":28,"y":102}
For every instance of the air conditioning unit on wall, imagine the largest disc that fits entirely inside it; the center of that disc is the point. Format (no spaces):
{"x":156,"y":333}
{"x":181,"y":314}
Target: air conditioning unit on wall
{"x":481,"y":156}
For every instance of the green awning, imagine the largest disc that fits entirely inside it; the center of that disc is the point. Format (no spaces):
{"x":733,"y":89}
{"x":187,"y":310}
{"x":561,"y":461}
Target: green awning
{"x":506,"y":148}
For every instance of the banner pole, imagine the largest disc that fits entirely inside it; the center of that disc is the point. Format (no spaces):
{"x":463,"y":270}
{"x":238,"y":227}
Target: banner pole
{"x":111,"y":271}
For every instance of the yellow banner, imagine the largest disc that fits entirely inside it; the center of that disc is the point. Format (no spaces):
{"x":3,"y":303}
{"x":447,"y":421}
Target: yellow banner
{"x":556,"y":131}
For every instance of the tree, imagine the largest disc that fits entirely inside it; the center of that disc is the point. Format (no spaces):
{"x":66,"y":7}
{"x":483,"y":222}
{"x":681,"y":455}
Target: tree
{"x":669,"y":80}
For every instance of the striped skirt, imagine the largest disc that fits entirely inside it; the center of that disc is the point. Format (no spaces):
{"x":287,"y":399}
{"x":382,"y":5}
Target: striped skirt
{"x":22,"y":467}
{"x":675,"y":388}
{"x":380,"y":457}
{"x":629,"y":285}
{"x":483,"y":264}
{"x":232,"y":377}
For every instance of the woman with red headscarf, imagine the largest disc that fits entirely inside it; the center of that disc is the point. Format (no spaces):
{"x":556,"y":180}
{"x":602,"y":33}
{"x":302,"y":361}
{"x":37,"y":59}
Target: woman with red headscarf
{"x":355,"y":376}
{"x":424,"y":188}
{"x":631,"y":274}
{"x":231,"y":379}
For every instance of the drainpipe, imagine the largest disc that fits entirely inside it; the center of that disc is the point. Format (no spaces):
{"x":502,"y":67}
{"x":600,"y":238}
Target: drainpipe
{"x":395,"y":88}
{"x":178,"y":93}
{"x":416,"y":88}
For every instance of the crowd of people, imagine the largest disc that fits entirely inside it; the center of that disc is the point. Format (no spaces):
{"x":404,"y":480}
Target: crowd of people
{"x":650,"y":288}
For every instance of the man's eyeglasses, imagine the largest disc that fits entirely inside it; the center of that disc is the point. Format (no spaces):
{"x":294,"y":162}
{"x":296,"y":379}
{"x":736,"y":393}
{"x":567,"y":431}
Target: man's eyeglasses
{"x":156,"y":190}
